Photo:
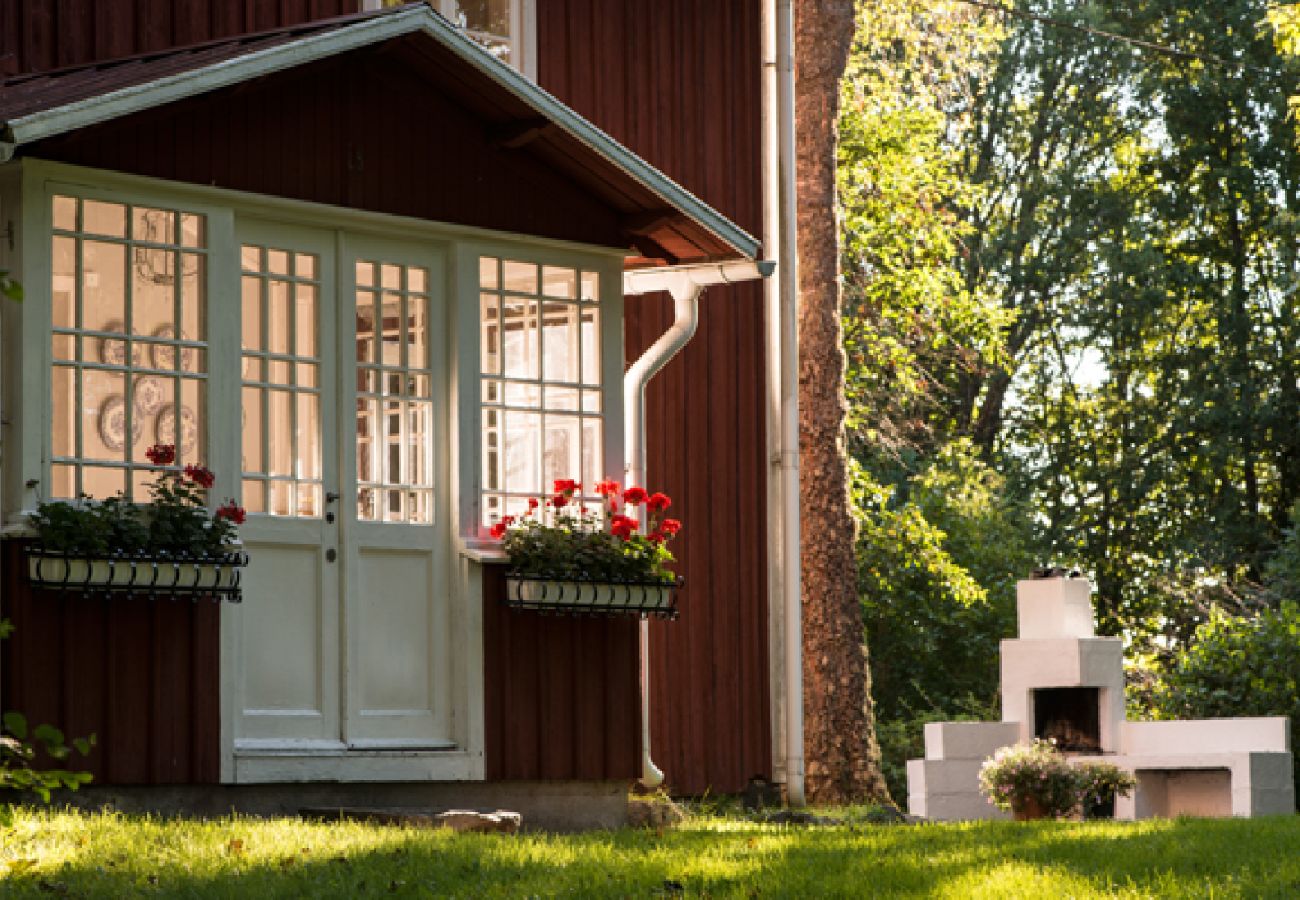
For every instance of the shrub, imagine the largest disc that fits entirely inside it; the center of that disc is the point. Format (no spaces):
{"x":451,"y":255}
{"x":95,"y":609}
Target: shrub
{"x":1099,"y":783}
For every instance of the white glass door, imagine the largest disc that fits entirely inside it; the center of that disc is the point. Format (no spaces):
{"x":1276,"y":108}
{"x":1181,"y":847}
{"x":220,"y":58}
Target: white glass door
{"x":397,"y":590}
{"x":288,"y":656}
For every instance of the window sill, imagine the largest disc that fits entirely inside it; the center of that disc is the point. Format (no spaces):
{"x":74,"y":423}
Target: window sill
{"x":483,"y":551}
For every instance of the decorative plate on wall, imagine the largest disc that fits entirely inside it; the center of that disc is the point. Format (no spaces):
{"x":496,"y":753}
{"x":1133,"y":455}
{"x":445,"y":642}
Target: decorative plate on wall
{"x":165,"y":430}
{"x":112,"y":423}
{"x":164,"y":355}
{"x":112,"y":351}
{"x":150,"y":394}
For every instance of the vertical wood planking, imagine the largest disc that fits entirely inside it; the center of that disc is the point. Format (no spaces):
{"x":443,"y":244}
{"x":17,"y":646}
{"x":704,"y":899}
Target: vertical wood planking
{"x":682,"y":87}
{"x":139,"y":674}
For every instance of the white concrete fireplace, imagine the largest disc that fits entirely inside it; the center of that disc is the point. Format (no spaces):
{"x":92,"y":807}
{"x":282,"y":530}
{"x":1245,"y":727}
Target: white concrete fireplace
{"x":1062,"y":682}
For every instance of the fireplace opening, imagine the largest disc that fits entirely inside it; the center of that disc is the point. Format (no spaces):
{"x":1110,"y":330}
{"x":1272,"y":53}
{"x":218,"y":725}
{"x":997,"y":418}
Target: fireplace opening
{"x":1070,"y":717}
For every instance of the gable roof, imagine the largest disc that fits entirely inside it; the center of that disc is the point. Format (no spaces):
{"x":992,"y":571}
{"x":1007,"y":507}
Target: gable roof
{"x":666,"y":223}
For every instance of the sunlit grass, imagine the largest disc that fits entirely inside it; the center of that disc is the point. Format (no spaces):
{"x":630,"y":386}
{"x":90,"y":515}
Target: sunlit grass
{"x":110,"y":855}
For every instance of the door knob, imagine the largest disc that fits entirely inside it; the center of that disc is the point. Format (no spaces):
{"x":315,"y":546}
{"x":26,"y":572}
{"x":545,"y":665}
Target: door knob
{"x":331,"y":497}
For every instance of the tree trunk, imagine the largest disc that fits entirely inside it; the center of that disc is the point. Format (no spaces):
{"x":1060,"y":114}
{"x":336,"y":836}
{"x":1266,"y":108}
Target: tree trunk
{"x":843,"y":758}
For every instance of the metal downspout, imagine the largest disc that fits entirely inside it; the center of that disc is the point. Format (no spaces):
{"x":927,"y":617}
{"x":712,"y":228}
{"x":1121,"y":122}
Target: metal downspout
{"x":788,"y":281}
{"x":686,"y":318}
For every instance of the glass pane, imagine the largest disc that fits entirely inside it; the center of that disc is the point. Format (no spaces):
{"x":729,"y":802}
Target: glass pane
{"x":591,"y":401}
{"x":420,"y":507}
{"x":280,"y":424}
{"x":520,"y":352}
{"x":590,"y":286}
{"x":488,"y":272}
{"x":390,"y":348}
{"x":252,"y":313}
{"x":103,"y":286}
{"x":367,"y":415}
{"x":591,"y":345}
{"x":193,"y":440}
{"x":365,"y":274}
{"x":280,"y":498}
{"x":65,"y":213}
{"x":593,"y":454}
{"x":306,"y":375}
{"x":251,"y":419}
{"x":255,"y":496}
{"x":522,"y":450}
{"x":309,"y":436}
{"x":366,"y":504}
{"x":367,"y":335}
{"x":486,"y":15}
{"x":251,"y":258}
{"x":153,"y":283}
{"x":277,"y":262}
{"x":101,"y":482}
{"x":304,"y":265}
{"x":104,"y":415}
{"x":64,"y":423}
{"x":517,"y":394}
{"x":64,"y":346}
{"x":150,"y":395}
{"x":64,"y":283}
{"x":562,"y":283}
{"x":490,"y":351}
{"x":154,"y":226}
{"x":417,"y":350}
{"x":417,"y":279}
{"x":521,"y":277}
{"x":305,"y":325}
{"x":390,"y":276}
{"x":103,"y":218}
{"x":63,"y":481}
{"x":419,"y":426}
{"x":278,"y":317}
{"x":562,"y":398}
{"x":309,"y":500}
{"x":563,"y":447}
{"x":560,"y":342}
{"x":193,"y":293}
{"x":252,"y":369}
{"x":492,"y":461}
{"x":193,"y":231}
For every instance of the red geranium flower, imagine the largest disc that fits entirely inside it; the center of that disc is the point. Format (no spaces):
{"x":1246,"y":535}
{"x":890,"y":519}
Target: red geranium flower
{"x":559,"y":501}
{"x":498,"y":531}
{"x":670,"y":526}
{"x":232,"y":511}
{"x":658,"y":502}
{"x":656,"y":537}
{"x":566,"y":486}
{"x":622,"y":526}
{"x":161,"y":454}
{"x":634,"y":495}
{"x":607,"y":488}
{"x":200,"y":475}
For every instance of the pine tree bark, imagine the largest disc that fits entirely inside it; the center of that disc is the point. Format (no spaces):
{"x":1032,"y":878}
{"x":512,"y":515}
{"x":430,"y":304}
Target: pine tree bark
{"x":842,"y":756}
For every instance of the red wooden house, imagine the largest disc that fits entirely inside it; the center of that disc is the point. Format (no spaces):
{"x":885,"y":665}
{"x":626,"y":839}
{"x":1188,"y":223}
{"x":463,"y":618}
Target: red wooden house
{"x":388,"y":272}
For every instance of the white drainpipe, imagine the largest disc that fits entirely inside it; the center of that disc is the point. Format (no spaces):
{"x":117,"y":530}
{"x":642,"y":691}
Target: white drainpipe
{"x":686,"y":284}
{"x":783,"y":349}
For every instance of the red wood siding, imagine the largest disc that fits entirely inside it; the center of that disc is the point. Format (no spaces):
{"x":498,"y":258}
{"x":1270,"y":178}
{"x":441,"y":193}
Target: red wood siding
{"x":679,"y":82}
{"x":562,"y":698}
{"x":362,"y":130}
{"x":39,"y":35}
{"x":141,"y":675}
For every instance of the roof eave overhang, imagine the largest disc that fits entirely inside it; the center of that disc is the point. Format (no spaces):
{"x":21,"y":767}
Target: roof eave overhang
{"x":259,"y":63}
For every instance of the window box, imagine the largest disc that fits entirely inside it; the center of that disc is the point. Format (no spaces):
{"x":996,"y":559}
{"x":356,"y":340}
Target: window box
{"x":214,"y":575}
{"x":592,"y":597}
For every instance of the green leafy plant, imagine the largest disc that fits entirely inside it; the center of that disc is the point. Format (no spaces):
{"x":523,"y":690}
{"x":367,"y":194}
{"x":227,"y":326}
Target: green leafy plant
{"x":564,"y":538}
{"x":1099,"y":783}
{"x":175,"y":521}
{"x":1038,"y":773}
{"x":21,"y":746}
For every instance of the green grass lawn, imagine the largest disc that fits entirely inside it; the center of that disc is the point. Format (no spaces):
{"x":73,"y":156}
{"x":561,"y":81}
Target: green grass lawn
{"x":63,"y":853}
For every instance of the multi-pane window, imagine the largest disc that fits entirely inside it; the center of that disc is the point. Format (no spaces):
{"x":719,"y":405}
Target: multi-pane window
{"x":130,"y":346}
{"x":541,"y":386}
{"x":499,"y":25}
{"x":281,"y":371}
{"x":394,"y":394}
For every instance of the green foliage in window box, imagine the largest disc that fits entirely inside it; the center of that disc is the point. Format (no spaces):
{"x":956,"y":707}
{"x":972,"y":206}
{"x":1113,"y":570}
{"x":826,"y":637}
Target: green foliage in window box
{"x":175,"y":521}
{"x":577,"y":542}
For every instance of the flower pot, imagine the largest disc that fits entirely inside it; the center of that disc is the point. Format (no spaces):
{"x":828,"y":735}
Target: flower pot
{"x":1027,"y":809}
{"x":579,"y":597}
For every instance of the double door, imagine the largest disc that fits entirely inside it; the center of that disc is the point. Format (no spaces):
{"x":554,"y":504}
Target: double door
{"x":341,"y":641}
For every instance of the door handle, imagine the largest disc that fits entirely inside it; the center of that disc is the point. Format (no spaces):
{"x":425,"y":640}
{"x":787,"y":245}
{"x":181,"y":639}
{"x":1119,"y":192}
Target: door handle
{"x":331,"y":497}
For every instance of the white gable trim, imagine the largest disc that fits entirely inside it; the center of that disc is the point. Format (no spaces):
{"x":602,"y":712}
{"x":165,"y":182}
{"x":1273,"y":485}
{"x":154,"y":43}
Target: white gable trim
{"x":168,"y":89}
